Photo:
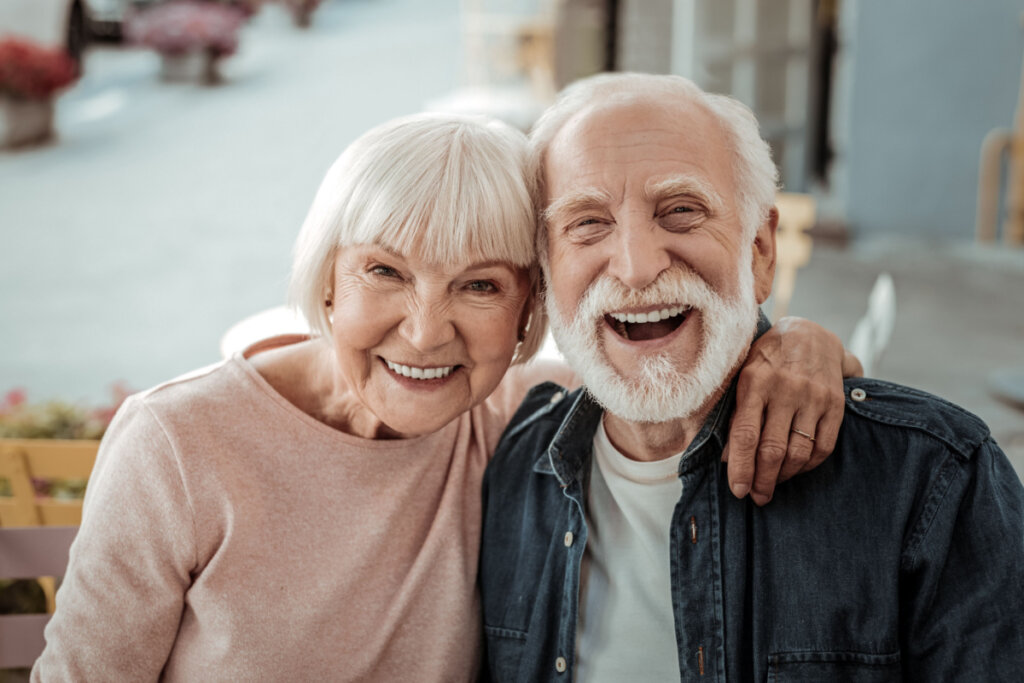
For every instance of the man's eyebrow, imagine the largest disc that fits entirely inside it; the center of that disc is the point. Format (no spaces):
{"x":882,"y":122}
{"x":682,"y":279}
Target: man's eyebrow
{"x":585,"y":198}
{"x":684,"y":185}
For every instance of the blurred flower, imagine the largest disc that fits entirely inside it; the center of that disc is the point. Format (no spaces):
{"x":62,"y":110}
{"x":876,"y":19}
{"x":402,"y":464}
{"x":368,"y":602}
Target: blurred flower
{"x":31,"y":72}
{"x":56,"y":419}
{"x":184,"y":26}
{"x":14,"y":398}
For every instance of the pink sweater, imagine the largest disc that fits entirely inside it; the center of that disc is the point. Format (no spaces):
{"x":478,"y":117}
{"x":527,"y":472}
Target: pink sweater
{"x":228,"y":536}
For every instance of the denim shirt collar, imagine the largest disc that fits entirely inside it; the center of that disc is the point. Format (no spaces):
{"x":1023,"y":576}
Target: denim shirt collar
{"x":568,"y":455}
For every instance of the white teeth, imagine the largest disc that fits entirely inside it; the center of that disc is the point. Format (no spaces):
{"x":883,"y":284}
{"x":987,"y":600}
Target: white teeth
{"x":419,"y":373}
{"x":652,"y":317}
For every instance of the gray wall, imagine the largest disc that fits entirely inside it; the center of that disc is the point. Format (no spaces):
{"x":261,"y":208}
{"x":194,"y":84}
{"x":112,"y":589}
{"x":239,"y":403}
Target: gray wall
{"x":928,"y":80}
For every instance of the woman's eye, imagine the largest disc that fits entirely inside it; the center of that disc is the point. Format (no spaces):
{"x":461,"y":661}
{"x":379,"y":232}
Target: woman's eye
{"x":384,"y":271}
{"x":485,"y":286}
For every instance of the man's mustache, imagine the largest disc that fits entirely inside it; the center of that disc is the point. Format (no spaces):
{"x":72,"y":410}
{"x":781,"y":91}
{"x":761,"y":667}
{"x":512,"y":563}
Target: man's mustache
{"x":676,"y":285}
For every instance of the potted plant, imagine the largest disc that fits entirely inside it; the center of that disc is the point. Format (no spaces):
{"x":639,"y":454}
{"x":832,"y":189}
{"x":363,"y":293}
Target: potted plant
{"x":30,"y":78}
{"x":191,"y":37}
{"x":302,"y":11}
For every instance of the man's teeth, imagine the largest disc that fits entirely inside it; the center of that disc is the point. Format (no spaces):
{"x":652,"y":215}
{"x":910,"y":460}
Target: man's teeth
{"x":420,"y":373}
{"x":650,"y":317}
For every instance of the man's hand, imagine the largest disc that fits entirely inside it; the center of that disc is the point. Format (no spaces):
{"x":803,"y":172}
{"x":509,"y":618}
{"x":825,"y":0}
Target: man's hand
{"x":789,"y":406}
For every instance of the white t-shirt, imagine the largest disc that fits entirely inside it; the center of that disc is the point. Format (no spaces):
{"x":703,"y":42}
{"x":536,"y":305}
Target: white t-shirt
{"x":627,"y":630}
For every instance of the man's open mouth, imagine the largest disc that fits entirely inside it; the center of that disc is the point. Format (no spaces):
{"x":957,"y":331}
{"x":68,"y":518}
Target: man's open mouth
{"x":652,"y":324}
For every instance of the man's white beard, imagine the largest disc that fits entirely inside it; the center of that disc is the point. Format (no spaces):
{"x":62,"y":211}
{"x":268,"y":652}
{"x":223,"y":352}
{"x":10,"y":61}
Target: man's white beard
{"x":660,"y":391}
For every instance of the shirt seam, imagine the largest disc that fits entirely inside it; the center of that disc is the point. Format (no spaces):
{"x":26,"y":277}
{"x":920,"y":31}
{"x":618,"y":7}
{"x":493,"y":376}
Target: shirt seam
{"x":936,"y":498}
{"x":181,"y":480}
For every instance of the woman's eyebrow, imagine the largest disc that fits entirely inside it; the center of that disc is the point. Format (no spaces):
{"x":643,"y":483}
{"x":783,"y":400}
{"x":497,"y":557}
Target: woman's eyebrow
{"x":683,"y":185}
{"x":584,"y":198}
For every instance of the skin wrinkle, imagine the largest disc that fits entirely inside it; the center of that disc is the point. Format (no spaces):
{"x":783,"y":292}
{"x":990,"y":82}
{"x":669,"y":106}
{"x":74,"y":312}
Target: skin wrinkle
{"x":681,"y":186}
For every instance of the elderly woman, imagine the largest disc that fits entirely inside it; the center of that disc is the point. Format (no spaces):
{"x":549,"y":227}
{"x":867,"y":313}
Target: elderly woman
{"x":312,"y":512}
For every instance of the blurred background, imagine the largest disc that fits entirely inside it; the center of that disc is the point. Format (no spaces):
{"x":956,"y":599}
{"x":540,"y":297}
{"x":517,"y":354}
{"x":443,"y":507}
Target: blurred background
{"x":180,"y":144}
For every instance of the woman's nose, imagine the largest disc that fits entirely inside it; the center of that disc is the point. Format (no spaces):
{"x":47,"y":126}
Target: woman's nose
{"x":428,"y":327}
{"x":639,"y":256}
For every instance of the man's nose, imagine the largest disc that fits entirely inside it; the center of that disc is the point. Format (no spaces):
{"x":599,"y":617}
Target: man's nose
{"x":639,"y":256}
{"x":428,"y":325}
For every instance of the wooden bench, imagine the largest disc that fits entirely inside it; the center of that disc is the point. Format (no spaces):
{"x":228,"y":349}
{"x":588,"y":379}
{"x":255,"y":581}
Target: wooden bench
{"x":22,"y":460}
{"x":27,"y":553}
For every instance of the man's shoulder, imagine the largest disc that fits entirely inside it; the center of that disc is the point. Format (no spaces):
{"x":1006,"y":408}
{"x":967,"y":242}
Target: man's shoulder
{"x":535,"y":423}
{"x":891,"y":407}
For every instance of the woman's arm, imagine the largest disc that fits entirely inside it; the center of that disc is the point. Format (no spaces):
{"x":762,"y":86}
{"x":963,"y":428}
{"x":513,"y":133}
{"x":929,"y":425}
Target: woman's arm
{"x":119,"y":606}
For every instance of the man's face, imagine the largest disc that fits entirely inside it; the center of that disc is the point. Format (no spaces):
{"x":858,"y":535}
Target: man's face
{"x":653,"y":287}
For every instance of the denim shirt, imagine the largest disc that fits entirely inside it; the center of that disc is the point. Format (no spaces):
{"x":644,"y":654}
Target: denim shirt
{"x":901,"y":557}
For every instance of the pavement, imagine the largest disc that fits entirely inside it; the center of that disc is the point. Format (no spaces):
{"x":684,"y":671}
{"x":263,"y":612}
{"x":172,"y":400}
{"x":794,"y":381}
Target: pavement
{"x":166,"y":213}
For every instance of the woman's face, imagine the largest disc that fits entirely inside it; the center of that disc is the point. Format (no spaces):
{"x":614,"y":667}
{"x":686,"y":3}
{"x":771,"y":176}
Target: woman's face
{"x":417,"y":343}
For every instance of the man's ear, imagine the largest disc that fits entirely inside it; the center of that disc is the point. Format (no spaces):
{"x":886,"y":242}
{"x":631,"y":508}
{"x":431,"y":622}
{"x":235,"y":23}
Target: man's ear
{"x":763,"y":260}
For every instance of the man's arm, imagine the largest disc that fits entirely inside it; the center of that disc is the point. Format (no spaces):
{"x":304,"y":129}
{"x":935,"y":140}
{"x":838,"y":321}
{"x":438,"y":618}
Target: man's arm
{"x":792,"y":380}
{"x":963,"y":574}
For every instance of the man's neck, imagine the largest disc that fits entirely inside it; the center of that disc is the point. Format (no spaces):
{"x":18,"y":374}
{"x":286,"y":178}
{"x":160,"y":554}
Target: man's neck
{"x":649,"y":441}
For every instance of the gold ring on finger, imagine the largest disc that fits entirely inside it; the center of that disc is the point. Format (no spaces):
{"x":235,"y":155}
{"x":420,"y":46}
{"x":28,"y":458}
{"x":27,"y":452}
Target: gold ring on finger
{"x":802,"y":433}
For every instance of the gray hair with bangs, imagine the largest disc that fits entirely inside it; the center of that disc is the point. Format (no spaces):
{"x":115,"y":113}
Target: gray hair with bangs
{"x":756,"y":176}
{"x":447,"y":188}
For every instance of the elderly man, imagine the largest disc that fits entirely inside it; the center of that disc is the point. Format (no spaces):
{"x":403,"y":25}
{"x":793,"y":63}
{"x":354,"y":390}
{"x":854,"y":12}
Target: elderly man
{"x":613,"y":550}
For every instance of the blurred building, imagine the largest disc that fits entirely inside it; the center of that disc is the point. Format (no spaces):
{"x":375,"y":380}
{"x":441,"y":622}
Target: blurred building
{"x":878,"y":108}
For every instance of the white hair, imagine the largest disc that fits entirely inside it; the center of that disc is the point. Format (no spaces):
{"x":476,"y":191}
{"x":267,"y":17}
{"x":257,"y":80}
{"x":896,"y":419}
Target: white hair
{"x":753,"y":170}
{"x":448,"y":188}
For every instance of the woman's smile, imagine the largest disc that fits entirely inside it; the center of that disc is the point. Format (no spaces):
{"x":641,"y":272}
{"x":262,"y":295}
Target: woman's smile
{"x":418,"y":373}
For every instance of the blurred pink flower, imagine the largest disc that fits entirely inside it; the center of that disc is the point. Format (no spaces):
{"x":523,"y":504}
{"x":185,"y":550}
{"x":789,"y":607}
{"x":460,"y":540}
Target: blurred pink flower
{"x":14,"y":398}
{"x":184,"y":26}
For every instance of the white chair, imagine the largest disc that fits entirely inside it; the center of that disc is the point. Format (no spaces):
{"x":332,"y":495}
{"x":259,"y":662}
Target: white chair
{"x":873,"y":331}
{"x":272,"y":322}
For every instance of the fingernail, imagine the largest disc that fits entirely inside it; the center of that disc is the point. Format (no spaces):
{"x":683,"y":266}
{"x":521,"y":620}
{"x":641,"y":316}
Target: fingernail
{"x":739,"y":490}
{"x":760,"y":498}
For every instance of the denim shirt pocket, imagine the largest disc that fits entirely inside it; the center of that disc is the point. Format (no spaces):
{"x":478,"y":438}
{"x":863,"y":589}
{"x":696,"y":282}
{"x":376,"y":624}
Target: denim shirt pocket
{"x":834,"y":667}
{"x":505,"y":647}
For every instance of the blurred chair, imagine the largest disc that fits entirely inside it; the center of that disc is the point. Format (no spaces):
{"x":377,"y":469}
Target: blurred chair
{"x":873,"y":331}
{"x":22,"y":460}
{"x":273,"y":322}
{"x":509,"y":62}
{"x":793,"y":245}
{"x":996,"y":144}
{"x":25,"y":554}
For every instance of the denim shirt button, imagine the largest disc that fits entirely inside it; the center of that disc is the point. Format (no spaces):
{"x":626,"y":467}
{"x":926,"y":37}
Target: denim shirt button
{"x":560,"y":665}
{"x":568,"y":539}
{"x":858,"y":394}
{"x":557,"y":396}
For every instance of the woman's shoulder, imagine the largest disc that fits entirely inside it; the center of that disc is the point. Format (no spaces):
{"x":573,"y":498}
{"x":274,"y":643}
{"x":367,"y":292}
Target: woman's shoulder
{"x":187,"y":391}
{"x":519,"y":379}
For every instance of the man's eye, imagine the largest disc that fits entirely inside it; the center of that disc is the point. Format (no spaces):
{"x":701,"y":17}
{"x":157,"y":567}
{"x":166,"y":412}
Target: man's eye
{"x":680,"y":217}
{"x":587,"y":230}
{"x":485,"y":286}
